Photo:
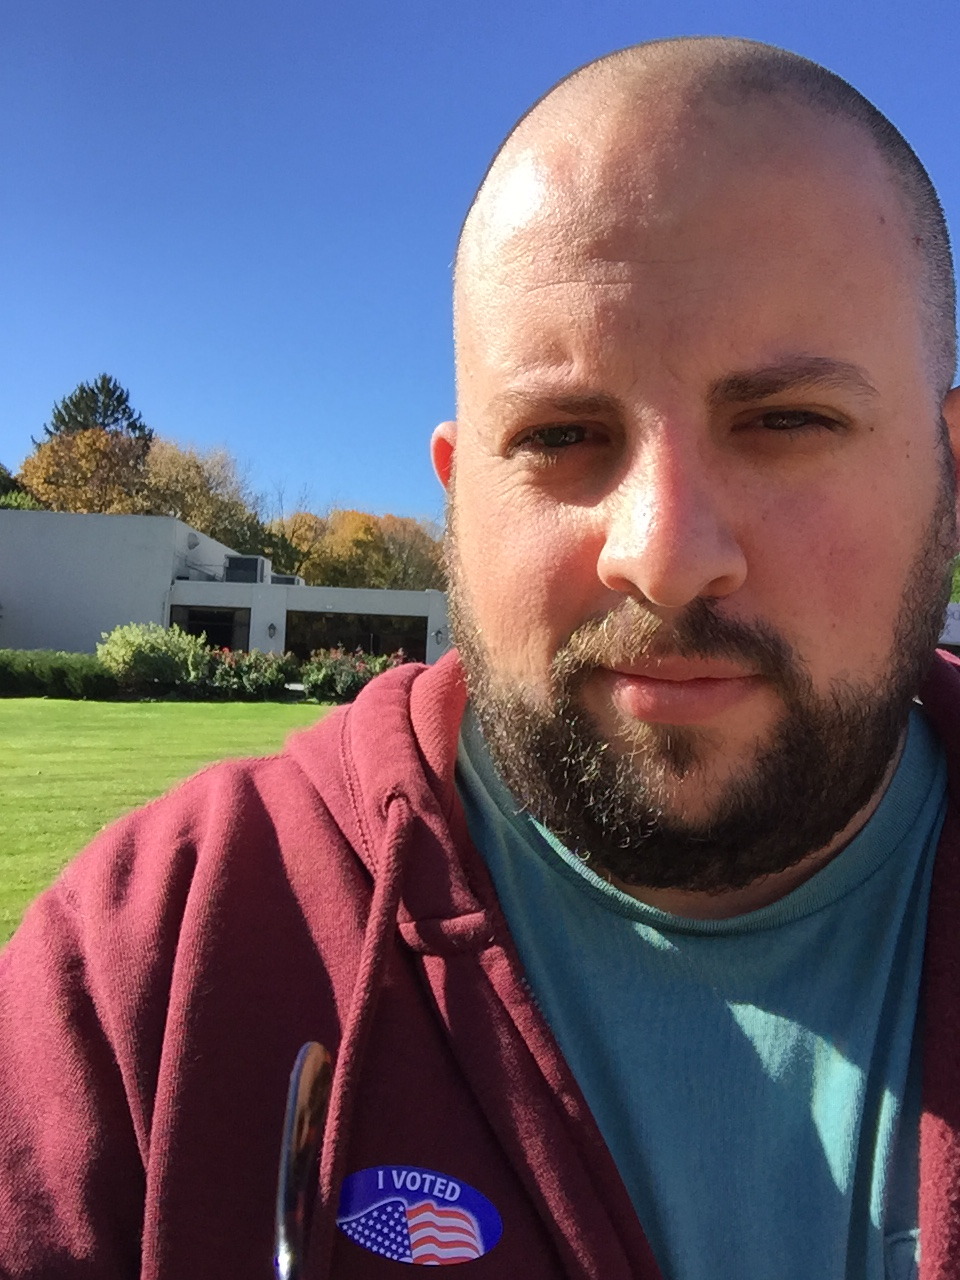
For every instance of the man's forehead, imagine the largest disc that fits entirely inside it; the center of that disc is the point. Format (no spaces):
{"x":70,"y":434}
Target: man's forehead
{"x":738,"y":222}
{"x":648,"y":171}
{"x":707,"y":265}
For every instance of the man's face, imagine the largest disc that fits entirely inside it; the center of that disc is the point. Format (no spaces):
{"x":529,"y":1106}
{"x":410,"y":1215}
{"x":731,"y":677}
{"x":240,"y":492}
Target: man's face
{"x":700,"y":509}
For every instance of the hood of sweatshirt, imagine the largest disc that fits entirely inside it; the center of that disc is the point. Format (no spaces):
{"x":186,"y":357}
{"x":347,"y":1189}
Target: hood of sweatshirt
{"x":396,"y":758}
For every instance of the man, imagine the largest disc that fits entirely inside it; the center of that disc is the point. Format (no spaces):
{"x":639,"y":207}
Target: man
{"x":629,"y":962}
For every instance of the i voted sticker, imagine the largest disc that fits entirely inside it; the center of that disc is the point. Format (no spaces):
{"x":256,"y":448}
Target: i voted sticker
{"x":419,"y":1216}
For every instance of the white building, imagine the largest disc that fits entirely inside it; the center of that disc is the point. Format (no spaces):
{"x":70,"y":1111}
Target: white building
{"x":65,"y":579}
{"x":951,"y":627}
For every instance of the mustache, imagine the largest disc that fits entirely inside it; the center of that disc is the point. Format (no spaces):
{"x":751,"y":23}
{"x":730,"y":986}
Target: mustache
{"x":632,"y":630}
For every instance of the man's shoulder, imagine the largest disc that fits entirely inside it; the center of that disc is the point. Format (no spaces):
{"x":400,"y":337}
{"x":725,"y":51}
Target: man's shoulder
{"x":400,"y":734}
{"x":403,"y":719}
{"x":301,"y":814}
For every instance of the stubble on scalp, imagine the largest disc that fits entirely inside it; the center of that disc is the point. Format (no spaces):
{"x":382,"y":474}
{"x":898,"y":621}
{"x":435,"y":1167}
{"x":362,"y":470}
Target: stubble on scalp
{"x":678,"y":80}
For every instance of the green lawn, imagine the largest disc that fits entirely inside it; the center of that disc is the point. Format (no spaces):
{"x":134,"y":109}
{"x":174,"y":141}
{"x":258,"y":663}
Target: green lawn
{"x":68,"y":768}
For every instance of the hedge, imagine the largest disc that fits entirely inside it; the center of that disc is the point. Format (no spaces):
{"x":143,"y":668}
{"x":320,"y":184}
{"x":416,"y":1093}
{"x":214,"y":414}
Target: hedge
{"x":44,"y":673}
{"x":146,"y":660}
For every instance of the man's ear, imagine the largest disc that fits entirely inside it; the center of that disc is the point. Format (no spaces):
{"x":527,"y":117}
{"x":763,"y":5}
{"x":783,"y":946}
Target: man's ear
{"x":443,"y":445}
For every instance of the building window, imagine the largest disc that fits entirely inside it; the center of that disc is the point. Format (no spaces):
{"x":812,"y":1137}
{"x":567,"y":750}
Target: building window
{"x":373,"y":633}
{"x":224,"y":628}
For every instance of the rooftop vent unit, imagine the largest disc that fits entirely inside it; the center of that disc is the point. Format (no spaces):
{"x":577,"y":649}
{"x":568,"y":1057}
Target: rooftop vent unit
{"x":243,"y":569}
{"x":287,"y":580}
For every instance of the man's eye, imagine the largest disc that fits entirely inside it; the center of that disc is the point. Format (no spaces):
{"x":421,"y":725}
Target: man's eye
{"x":558,"y":437}
{"x":795,"y":420}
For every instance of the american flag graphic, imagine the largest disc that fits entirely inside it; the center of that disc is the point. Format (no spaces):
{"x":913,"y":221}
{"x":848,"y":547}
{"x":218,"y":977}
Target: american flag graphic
{"x":427,"y":1234}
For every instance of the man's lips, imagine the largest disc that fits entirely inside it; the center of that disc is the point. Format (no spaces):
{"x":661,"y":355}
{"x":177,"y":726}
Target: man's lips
{"x":675,"y":668}
{"x":679,"y":690}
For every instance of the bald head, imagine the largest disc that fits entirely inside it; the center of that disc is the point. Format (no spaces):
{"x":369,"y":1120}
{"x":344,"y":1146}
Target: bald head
{"x":631,"y":114}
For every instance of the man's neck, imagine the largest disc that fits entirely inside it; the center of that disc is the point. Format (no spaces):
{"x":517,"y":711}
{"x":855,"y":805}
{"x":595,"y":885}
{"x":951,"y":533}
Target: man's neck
{"x":695,"y":905}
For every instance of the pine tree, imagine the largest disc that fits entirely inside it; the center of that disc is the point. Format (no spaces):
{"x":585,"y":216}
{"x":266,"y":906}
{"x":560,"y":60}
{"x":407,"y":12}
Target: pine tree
{"x":104,"y":404}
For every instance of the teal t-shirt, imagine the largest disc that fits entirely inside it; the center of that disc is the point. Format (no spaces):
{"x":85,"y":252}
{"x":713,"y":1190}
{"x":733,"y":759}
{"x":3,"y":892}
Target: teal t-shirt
{"x":756,"y":1079}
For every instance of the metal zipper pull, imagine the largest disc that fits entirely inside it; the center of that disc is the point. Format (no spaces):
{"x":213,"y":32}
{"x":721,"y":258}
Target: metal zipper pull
{"x":307,"y":1101}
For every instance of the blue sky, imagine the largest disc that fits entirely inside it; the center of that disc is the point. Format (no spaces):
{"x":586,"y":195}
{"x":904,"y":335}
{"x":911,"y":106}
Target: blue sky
{"x":246,"y":211}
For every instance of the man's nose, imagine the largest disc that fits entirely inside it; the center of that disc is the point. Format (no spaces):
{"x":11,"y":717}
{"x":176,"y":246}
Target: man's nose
{"x":673,"y":533}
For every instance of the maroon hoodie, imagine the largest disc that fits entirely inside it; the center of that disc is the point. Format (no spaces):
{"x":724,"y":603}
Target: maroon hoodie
{"x":153,"y":1002}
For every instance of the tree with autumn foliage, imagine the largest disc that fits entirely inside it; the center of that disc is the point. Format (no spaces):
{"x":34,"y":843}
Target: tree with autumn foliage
{"x":91,"y":470}
{"x":353,"y":550}
{"x":100,"y":456}
{"x":413,"y":553}
{"x":94,"y":453}
{"x":296,"y":543}
{"x":346,"y":548}
{"x":205,"y":490}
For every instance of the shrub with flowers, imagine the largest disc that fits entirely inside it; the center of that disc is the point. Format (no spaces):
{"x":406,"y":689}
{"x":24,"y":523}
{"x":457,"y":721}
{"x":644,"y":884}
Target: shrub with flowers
{"x":252,"y":676}
{"x":334,"y":675}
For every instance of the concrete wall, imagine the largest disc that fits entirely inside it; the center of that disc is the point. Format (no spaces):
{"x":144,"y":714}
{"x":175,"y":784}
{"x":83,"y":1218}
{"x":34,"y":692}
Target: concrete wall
{"x":65,"y":579}
{"x":196,"y":556}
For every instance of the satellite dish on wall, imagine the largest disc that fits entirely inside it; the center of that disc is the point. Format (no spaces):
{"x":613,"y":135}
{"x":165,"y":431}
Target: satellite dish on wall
{"x":192,"y":541}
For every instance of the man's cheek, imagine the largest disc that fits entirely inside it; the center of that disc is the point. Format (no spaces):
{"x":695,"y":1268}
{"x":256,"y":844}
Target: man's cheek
{"x":844,"y":598}
{"x":528,"y":604}
{"x":526,"y":612}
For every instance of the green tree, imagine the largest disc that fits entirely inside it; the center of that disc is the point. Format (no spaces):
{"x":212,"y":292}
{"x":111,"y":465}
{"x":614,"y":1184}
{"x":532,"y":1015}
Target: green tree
{"x":103,"y":404}
{"x":15,"y":495}
{"x":20,"y":500}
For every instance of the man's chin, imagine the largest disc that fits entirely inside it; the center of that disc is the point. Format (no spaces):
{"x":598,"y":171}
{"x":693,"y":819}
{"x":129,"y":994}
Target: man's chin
{"x":687,"y":767}
{"x":685,"y":779}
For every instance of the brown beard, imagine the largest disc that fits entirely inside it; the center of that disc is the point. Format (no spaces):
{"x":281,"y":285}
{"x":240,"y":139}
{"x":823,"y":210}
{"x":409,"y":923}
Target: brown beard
{"x":827,"y":757}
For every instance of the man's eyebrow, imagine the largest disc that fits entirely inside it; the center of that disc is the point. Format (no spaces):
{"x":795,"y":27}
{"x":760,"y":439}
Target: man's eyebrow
{"x":598,"y":404}
{"x":792,"y":374}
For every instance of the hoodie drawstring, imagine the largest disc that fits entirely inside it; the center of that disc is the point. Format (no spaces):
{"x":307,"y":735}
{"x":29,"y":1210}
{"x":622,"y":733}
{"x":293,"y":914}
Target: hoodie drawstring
{"x":377,"y":940}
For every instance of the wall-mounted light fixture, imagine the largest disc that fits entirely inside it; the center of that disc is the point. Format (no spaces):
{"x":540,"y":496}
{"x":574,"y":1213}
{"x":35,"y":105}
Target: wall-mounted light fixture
{"x":272,"y":630}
